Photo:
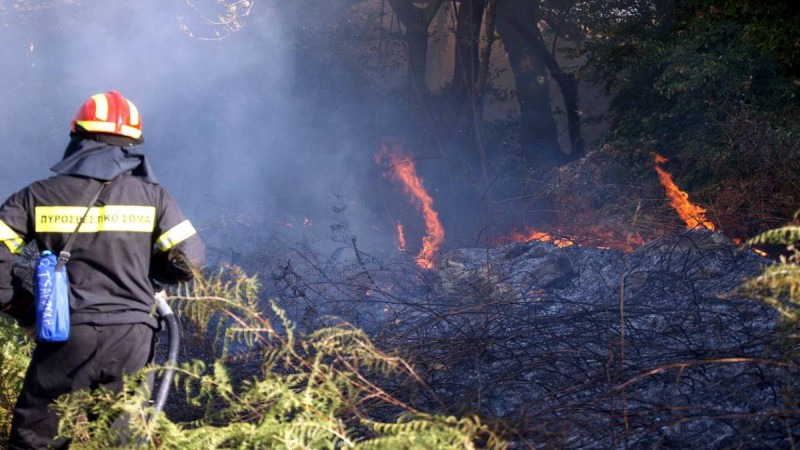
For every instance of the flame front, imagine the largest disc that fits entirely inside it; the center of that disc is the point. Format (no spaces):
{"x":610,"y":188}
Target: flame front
{"x":691,"y":214}
{"x":403,"y":170}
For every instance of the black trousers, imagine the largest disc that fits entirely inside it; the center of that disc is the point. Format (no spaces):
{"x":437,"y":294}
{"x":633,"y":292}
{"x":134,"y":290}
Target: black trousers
{"x":94,"y":356}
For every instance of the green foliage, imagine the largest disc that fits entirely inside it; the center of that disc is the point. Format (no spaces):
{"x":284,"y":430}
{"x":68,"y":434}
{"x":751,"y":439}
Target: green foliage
{"x":769,"y":27}
{"x":15,"y":354}
{"x":779,"y":284}
{"x":423,"y":431}
{"x":706,"y":91}
{"x":323,"y":390}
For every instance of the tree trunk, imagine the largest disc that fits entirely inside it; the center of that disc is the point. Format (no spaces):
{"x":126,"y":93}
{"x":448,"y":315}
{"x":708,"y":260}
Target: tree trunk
{"x":566,"y":83}
{"x":538,"y":131}
{"x":416,"y":21}
{"x":417,"y":41}
{"x":468,"y":32}
{"x":486,"y":50}
{"x":460,"y":108}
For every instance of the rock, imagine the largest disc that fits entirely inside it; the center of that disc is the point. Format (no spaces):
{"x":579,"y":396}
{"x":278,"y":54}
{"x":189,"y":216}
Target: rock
{"x":501,"y":274}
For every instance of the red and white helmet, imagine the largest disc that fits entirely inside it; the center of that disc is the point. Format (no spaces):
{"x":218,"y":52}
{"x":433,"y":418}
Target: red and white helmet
{"x":109,"y":113}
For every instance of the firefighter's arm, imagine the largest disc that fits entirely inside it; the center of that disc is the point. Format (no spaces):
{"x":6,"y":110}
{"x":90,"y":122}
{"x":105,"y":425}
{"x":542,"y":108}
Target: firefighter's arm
{"x":179,"y":262}
{"x":15,"y":300}
{"x":178,"y":249}
{"x":22,"y":306}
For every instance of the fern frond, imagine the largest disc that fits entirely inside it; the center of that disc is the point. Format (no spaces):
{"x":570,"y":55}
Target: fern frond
{"x":778,"y":286}
{"x":786,"y":235}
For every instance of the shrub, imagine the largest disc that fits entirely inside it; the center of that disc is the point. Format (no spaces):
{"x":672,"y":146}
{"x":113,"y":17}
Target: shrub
{"x":15,"y":355}
{"x":326,"y":389}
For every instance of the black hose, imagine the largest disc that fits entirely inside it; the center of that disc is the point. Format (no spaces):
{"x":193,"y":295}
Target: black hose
{"x":174,"y":330}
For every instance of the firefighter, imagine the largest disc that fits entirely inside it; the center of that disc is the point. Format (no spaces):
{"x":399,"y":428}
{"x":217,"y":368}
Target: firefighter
{"x":134,"y":234}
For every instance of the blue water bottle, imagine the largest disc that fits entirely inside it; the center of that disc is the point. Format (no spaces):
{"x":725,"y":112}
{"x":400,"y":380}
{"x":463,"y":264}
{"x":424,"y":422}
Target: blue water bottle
{"x":52,"y":300}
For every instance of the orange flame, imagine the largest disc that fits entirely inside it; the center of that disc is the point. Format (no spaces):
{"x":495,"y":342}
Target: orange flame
{"x":691,"y":214}
{"x":532,"y":235}
{"x":596,"y":237}
{"x":405,"y":172}
{"x":401,"y":237}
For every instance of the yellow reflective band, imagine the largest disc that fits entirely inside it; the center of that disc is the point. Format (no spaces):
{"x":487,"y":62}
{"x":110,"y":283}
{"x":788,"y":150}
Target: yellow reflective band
{"x":130,"y":132}
{"x":100,"y":106}
{"x":12,"y":240}
{"x":134,"y":113}
{"x":108,"y":127}
{"x":175,"y":236}
{"x":64,"y":219}
{"x":99,"y":127}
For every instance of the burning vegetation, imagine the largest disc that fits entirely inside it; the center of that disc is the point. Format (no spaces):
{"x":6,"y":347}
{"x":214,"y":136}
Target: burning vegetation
{"x":570,"y":345}
{"x":693,"y":215}
{"x":401,"y":169}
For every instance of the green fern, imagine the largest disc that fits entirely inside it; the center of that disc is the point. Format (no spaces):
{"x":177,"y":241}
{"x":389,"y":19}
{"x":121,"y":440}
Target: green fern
{"x":15,"y":352}
{"x":422,"y":431}
{"x":778,"y":285}
{"x":317,"y":391}
{"x":786,"y":235}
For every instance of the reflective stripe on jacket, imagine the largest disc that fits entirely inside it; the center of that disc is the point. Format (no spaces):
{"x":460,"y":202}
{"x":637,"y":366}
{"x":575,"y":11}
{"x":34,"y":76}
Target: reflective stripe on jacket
{"x":133,"y":233}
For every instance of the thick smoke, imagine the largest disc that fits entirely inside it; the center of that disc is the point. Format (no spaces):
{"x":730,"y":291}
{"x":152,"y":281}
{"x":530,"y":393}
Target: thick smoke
{"x":239,"y":129}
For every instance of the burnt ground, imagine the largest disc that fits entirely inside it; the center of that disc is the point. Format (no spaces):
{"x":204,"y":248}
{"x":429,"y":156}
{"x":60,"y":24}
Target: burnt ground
{"x":578,"y":347}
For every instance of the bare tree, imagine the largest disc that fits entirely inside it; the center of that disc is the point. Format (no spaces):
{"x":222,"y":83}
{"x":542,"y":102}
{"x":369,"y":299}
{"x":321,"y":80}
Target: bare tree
{"x":416,"y":20}
{"x":531,"y":61}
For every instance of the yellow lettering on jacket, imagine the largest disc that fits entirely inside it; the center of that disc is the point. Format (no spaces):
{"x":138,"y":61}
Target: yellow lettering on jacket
{"x":64,"y":219}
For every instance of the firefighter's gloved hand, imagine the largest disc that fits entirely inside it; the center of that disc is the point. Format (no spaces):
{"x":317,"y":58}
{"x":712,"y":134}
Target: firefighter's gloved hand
{"x":23,"y":311}
{"x":21,"y":308}
{"x":29,"y":332}
{"x":160,"y":294}
{"x":6,"y":311}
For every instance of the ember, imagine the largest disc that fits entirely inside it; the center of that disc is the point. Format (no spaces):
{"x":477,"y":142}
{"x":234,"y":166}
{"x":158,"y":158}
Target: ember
{"x":404,"y":171}
{"x":691,"y":214}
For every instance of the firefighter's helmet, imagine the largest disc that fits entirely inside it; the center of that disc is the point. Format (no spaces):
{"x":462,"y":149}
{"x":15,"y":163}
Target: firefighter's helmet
{"x":109,"y":113}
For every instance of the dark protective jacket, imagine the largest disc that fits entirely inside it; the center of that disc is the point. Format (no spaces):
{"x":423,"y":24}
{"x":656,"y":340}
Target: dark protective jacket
{"x":135,"y":232}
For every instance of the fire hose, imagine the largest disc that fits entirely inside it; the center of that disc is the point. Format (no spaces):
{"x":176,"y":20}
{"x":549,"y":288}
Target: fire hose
{"x":173,"y":329}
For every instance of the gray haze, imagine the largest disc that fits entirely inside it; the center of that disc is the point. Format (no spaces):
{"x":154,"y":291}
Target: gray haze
{"x":228,"y":125}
